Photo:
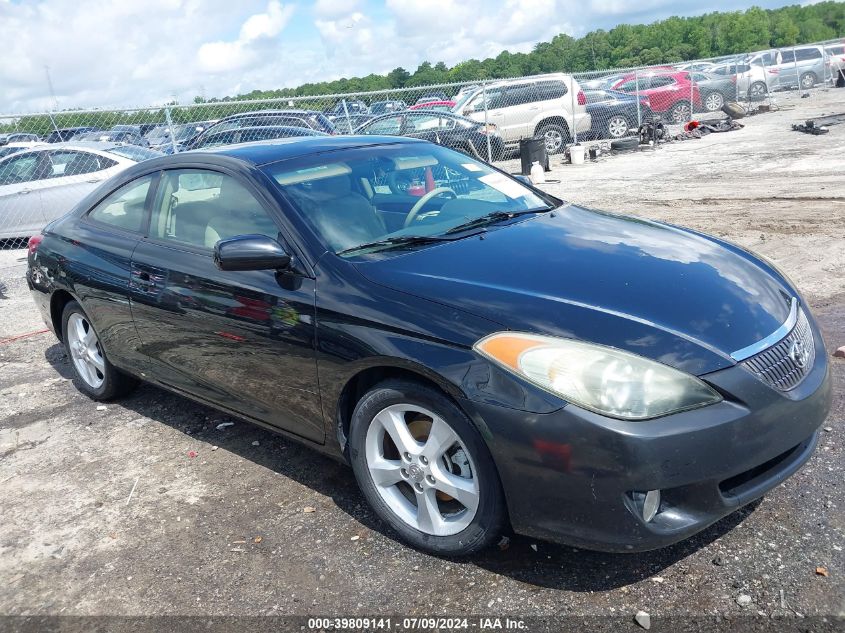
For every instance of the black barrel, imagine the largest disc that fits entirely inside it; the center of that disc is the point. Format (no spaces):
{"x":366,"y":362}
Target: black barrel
{"x":533,"y":150}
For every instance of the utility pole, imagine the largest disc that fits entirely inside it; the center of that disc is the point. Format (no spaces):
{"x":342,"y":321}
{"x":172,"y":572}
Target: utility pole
{"x":50,"y":88}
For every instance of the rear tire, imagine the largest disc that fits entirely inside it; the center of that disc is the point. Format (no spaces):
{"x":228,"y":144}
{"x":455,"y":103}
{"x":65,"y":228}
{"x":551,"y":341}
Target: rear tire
{"x":758,"y":90}
{"x":618,"y":126}
{"x":680,"y":112}
{"x":555,"y":136}
{"x":807,"y":81}
{"x":408,"y":445}
{"x":95,"y":376}
{"x":714,"y":102}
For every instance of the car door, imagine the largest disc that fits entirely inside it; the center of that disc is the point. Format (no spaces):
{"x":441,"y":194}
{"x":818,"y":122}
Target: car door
{"x":98,"y":265}
{"x":21,"y":213}
{"x":242,"y":340}
{"x":522,"y":107}
{"x":72,"y":175}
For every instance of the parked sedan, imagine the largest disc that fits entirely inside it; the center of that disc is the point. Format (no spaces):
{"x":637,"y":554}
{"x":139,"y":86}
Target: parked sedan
{"x":670,"y":93}
{"x":484,"y":355}
{"x":263,"y":118}
{"x":66,"y":133}
{"x":113,"y":136}
{"x":18,"y":137}
{"x":443,"y":128}
{"x":250,"y":134}
{"x":716,"y":90}
{"x":42,"y":183}
{"x":615,"y":114}
{"x":443,"y":106}
{"x":12,"y":148}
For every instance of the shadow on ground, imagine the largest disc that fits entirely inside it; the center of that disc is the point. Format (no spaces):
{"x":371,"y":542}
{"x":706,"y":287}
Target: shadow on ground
{"x":550,"y":566}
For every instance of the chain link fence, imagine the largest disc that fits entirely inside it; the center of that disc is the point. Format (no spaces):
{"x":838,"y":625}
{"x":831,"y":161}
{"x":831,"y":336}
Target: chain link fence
{"x":51,"y":160}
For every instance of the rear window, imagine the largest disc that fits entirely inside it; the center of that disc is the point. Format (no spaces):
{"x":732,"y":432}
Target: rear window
{"x":836,"y":50}
{"x":551,"y":89}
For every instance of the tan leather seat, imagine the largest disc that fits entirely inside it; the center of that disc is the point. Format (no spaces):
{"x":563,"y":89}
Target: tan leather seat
{"x":236,"y":212}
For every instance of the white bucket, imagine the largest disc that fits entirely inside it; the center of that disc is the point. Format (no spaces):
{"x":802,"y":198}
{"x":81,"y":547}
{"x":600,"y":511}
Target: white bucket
{"x":576,"y":154}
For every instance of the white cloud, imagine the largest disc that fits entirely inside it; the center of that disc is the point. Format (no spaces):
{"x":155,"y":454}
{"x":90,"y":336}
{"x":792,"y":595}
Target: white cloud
{"x":145,"y":52}
{"x":334,"y":9}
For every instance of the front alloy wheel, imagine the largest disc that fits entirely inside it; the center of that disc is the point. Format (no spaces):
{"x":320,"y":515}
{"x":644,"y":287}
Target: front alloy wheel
{"x":425,"y":470}
{"x":617,"y":126}
{"x":422,"y":470}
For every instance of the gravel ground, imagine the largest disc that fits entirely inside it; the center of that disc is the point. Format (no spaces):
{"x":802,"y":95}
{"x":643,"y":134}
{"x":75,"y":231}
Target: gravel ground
{"x":107,"y":511}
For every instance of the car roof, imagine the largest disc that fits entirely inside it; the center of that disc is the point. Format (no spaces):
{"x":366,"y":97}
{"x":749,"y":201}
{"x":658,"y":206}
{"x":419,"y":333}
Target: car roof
{"x":264,"y":152}
{"x":271,"y":112}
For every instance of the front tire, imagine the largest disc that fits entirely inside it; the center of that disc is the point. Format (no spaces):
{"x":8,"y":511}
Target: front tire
{"x":95,"y":376}
{"x":425,"y":470}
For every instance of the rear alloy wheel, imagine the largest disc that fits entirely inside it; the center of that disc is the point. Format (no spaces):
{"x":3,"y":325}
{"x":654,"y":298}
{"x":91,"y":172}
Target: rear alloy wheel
{"x":425,"y":470}
{"x":808,"y":80}
{"x":97,"y":377}
{"x":680,"y":112}
{"x":555,"y":136}
{"x":757,"y":90}
{"x":714,"y":102}
{"x":617,"y":126}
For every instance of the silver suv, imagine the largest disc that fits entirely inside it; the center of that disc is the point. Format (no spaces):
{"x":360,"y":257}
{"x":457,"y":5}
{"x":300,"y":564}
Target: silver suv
{"x":803,"y":67}
{"x":549,"y":106}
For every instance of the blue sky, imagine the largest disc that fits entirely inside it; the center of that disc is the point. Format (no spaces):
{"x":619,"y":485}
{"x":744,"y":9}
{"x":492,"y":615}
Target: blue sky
{"x":144,"y":52}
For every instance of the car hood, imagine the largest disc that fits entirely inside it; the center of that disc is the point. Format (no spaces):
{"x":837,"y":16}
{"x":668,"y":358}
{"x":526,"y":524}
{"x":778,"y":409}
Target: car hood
{"x":666,"y":293}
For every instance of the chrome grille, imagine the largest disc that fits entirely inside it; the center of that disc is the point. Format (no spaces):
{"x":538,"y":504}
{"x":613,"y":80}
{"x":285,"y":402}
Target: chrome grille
{"x":780,"y":365}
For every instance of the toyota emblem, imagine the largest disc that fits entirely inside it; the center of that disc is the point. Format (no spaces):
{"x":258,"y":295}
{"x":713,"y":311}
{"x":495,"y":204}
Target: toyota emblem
{"x":798,"y":353}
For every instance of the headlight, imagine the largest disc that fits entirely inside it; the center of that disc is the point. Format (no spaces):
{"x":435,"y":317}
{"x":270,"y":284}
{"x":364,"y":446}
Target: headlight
{"x":603,"y":379}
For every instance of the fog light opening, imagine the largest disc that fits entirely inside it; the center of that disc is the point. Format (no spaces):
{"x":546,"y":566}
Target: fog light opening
{"x":651,"y":504}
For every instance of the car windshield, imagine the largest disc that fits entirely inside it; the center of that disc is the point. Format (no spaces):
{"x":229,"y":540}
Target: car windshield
{"x":380,"y":197}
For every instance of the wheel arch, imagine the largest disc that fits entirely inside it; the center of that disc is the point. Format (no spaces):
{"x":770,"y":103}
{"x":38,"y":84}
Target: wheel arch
{"x":556,"y":119}
{"x":58,"y":300}
{"x":374,"y":373}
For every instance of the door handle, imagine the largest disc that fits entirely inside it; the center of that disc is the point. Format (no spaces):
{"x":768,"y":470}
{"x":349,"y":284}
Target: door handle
{"x":93,"y":180}
{"x":24,"y":192}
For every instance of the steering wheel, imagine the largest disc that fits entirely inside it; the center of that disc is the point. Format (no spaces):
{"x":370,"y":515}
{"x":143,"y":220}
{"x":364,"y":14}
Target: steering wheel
{"x":412,"y":214}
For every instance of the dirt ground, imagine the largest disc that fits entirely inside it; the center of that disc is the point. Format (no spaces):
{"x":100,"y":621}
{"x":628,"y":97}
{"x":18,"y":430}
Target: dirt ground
{"x":106,"y":512}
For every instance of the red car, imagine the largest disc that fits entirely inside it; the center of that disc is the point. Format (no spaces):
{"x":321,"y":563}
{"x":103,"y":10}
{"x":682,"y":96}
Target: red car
{"x":445,"y":106}
{"x":669,"y":93}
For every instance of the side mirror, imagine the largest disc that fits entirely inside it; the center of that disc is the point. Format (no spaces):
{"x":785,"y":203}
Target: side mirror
{"x":250,"y":252}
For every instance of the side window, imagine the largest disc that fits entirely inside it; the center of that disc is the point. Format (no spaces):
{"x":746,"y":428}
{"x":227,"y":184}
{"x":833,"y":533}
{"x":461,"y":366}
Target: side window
{"x":199,"y":208}
{"x":125,"y":207}
{"x":631,"y":86}
{"x":215,"y":140}
{"x":70,"y":163}
{"x":19,"y":169}
{"x":804,"y":54}
{"x":551,"y":90}
{"x":787,"y":56}
{"x":661,"y":82}
{"x":426,"y":122}
{"x":519,"y":95}
{"x":387,"y":125}
{"x":596,"y":96}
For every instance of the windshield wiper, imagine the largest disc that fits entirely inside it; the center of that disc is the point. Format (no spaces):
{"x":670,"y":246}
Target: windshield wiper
{"x":493,"y":217}
{"x":396,"y":240}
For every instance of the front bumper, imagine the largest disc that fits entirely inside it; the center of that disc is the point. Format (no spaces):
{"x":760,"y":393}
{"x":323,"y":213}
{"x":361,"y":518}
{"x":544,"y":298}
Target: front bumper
{"x":568,"y":476}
